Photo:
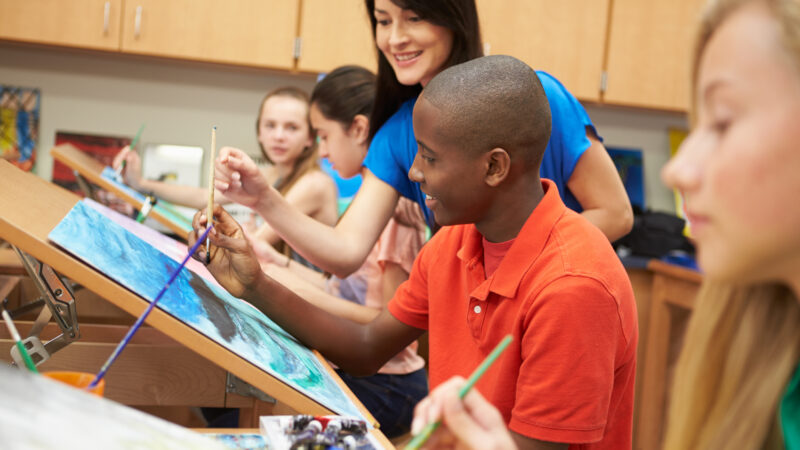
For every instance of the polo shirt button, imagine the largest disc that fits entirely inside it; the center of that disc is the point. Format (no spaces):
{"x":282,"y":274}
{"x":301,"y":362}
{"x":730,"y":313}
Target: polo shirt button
{"x":477,"y":309}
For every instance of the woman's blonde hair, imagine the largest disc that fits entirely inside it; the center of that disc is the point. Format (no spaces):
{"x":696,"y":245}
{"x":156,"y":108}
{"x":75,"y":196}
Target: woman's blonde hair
{"x":743,"y":341}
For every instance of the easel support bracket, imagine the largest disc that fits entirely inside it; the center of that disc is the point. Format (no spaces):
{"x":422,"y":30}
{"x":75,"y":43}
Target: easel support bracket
{"x":60,"y":302}
{"x":236,"y":385}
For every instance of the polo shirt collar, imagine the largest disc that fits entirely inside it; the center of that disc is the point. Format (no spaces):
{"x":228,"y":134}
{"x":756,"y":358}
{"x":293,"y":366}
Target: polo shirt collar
{"x":525,"y":250}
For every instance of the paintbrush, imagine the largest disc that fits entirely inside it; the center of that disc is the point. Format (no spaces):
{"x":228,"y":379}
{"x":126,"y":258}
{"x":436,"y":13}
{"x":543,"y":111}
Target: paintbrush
{"x":20,"y":346}
{"x":141,"y":318}
{"x":426,"y":432}
{"x":210,"y":209}
{"x":133,"y":148}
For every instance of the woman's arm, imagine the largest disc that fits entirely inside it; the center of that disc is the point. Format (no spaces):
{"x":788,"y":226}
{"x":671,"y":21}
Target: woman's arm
{"x":596,"y":185}
{"x":340,"y":250}
{"x":315,"y":195}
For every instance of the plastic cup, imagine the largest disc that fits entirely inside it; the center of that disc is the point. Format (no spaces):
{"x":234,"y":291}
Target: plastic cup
{"x":80,"y":380}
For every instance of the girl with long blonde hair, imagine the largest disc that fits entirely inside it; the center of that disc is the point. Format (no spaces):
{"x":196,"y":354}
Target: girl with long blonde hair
{"x":736,"y":383}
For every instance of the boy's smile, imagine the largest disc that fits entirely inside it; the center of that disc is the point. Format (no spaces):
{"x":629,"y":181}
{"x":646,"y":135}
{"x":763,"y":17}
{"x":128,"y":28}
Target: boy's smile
{"x":450,"y":175}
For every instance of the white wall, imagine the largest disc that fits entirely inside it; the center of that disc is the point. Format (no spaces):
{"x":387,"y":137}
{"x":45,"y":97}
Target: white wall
{"x":111,"y":94}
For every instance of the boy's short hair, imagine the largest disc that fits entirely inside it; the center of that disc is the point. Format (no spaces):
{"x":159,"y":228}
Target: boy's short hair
{"x":490,"y":102}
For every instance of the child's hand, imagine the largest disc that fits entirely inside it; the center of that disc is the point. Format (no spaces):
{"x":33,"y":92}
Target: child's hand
{"x":239,"y":179}
{"x":132,"y":175}
{"x":233,"y":263}
{"x":471,"y":423}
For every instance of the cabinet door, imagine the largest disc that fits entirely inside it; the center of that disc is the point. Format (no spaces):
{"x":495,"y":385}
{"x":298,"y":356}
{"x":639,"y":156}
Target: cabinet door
{"x":335,"y":33}
{"x":565,"y":38}
{"x":649,"y":51}
{"x":247,"y":32}
{"x":80,"y":23}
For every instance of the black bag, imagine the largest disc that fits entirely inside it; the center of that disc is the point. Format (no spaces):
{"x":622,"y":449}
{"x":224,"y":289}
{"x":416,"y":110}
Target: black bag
{"x":655,"y":234}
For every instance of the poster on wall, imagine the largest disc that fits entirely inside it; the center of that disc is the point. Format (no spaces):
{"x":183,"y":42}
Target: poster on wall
{"x":19,"y":125}
{"x":630,"y":166}
{"x":101,"y":148}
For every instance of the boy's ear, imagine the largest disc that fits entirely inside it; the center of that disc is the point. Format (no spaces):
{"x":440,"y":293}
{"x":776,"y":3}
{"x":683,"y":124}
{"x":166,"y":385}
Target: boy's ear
{"x":498,"y":164}
{"x":359,"y":128}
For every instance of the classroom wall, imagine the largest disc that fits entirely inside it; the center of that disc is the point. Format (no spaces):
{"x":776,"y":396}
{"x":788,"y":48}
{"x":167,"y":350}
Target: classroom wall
{"x":110,"y":94}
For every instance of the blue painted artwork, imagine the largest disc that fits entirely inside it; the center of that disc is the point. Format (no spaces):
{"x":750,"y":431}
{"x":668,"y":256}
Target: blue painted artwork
{"x":209,"y":309}
{"x":162,"y":207}
{"x":630,"y":165}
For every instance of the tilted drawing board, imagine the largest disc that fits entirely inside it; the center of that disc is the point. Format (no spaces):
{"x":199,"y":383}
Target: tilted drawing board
{"x":30,"y":208}
{"x":97,"y":173}
{"x":37,"y":412}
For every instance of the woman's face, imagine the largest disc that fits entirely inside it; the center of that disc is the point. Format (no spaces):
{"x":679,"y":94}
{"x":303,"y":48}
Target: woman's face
{"x":344,"y":146}
{"x":738,"y":169}
{"x":415,"y":48}
{"x":283,"y":130}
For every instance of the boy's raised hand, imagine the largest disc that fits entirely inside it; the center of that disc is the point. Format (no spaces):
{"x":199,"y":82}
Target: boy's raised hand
{"x":239,"y":179}
{"x":233,"y":263}
{"x":471,"y":423}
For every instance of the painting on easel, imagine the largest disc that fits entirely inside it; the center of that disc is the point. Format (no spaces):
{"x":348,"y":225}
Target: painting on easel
{"x":19,"y":125}
{"x":207,"y":308}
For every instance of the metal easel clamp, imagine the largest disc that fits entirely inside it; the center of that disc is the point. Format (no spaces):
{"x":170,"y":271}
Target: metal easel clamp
{"x":236,"y":385}
{"x":84,"y":185}
{"x":60,"y":302}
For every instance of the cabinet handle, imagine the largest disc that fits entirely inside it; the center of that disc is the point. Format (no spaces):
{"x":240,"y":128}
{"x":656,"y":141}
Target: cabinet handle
{"x":106,"y":16}
{"x":137,"y":22}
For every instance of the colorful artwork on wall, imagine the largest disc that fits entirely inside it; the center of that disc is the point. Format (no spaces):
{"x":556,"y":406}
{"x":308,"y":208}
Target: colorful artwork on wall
{"x":19,"y":125}
{"x":630,"y":166}
{"x":210,"y":310}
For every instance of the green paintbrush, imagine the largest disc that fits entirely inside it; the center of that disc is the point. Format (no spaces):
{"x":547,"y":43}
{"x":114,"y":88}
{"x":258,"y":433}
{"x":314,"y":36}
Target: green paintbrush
{"x":132,"y":147}
{"x":426,"y":432}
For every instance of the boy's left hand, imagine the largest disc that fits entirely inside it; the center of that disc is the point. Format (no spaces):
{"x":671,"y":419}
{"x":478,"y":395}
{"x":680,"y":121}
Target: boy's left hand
{"x":232,"y":261}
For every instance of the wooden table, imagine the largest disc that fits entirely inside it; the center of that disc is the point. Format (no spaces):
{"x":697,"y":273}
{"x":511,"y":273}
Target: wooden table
{"x":669,"y":302}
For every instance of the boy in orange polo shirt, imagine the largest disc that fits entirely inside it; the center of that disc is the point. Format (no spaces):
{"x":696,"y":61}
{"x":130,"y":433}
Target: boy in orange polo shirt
{"x":515,"y":261}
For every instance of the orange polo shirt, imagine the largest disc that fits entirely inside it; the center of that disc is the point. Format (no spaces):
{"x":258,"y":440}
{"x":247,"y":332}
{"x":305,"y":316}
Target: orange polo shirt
{"x":563,"y":294}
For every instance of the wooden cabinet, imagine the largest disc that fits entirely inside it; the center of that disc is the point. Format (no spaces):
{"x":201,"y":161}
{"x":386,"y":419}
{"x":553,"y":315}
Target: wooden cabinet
{"x":564,"y":38}
{"x":335,"y":34}
{"x":246,"y":32}
{"x":649,"y":51}
{"x":641,"y":49}
{"x":93,"y":24}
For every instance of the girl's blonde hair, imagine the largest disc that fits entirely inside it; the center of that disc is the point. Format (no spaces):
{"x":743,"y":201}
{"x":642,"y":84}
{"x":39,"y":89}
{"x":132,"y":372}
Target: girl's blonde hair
{"x":743,"y":342}
{"x":308,"y":160}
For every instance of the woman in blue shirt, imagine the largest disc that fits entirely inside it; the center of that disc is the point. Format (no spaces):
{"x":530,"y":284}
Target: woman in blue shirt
{"x":416,"y":39}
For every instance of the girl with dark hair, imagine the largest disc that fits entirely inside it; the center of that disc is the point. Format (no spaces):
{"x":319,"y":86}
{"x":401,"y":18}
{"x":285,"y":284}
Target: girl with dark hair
{"x":417,"y":39}
{"x":340,"y":108}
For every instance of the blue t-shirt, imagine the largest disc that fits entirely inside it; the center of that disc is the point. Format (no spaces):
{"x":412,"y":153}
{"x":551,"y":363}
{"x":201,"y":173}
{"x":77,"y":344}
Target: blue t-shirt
{"x":393,"y":148}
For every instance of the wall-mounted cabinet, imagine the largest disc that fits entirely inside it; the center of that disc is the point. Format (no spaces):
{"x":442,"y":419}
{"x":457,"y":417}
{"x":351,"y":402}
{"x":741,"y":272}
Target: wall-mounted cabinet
{"x":649,"y":51}
{"x":620,"y":52}
{"x":564,"y":38}
{"x":326,"y":43}
{"x":93,"y":24}
{"x":247,"y":32}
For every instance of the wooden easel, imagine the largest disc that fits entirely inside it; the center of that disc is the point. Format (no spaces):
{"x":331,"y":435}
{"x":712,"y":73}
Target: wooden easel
{"x":91,"y":170}
{"x":168,"y":364}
